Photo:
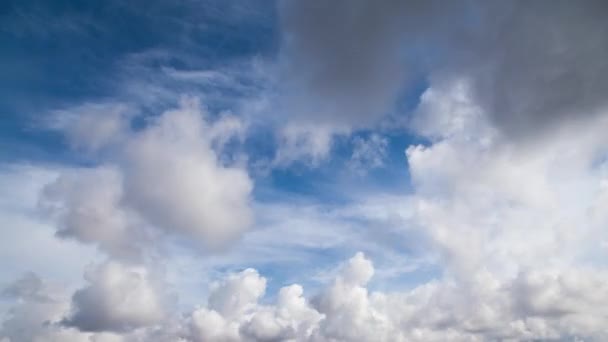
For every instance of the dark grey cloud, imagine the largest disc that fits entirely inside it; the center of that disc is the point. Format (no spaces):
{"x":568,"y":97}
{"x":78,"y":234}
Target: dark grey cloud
{"x":533,"y":64}
{"x":530,"y":65}
{"x":342,"y":62}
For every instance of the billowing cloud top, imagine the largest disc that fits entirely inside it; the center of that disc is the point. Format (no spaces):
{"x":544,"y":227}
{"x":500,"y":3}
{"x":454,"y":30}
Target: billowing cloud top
{"x":304,"y":171}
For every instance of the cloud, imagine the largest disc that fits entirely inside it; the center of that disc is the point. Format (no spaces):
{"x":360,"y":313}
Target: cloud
{"x":37,"y":308}
{"x":529,"y":66}
{"x":194,"y":194}
{"x":308,"y":143}
{"x":512,"y":186}
{"x":40,"y":308}
{"x":27,"y":230}
{"x":28,"y":286}
{"x":534,"y":304}
{"x":368,"y":153}
{"x":535,"y":65}
{"x":87,"y":205}
{"x":506,"y":215}
{"x":341,"y":67}
{"x":93,"y":126}
{"x":117,"y":299}
{"x":342,"y":61}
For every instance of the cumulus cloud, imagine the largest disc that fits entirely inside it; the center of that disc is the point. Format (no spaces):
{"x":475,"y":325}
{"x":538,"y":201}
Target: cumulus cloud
{"x":118,"y":298}
{"x":508,"y":214}
{"x":512,"y":188}
{"x":234,"y":312}
{"x":40,"y":307}
{"x":534,"y":304}
{"x":87,"y":205}
{"x":193,"y":194}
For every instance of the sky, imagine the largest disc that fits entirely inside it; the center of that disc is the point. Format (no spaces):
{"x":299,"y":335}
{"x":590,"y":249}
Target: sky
{"x":323,"y":171}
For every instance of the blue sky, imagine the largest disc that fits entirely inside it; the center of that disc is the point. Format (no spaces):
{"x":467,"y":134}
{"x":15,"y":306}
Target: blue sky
{"x":59,"y":53}
{"x":208,"y":170}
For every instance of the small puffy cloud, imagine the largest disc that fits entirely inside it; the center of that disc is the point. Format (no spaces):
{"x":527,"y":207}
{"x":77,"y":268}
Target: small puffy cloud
{"x":358,"y":271}
{"x":234,"y":313}
{"x":118,"y":298}
{"x":93,"y":126}
{"x":368,"y":153}
{"x":309,"y":143}
{"x":209,"y":325}
{"x":237,"y":293}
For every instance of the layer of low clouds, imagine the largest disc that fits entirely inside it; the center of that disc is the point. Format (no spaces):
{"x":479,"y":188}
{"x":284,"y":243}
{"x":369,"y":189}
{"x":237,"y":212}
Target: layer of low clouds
{"x":533,"y":305}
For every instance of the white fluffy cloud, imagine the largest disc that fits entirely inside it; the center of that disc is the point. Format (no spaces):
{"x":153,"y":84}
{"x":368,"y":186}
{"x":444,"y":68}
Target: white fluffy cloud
{"x":87,"y":205}
{"x":117,"y":298}
{"x":515,"y":222}
{"x":192,"y":193}
{"x":167,"y":176}
{"x":118,"y":292}
{"x":235,"y":314}
{"x":534,"y":305}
